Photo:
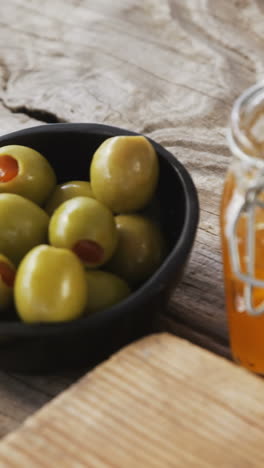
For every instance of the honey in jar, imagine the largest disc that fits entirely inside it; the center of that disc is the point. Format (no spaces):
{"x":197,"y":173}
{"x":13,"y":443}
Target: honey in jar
{"x":242,"y":230}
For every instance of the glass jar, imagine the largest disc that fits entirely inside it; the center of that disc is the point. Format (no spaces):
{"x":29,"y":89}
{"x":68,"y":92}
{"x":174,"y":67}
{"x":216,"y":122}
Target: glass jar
{"x":242,"y":230}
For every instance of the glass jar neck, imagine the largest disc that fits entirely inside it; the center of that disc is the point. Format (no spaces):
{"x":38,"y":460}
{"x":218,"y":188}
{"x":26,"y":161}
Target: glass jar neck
{"x":246,"y":132}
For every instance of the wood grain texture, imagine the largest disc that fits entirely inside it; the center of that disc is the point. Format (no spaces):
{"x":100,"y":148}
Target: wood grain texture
{"x":169,"y":69}
{"x":22,"y":395}
{"x":161,"y":402}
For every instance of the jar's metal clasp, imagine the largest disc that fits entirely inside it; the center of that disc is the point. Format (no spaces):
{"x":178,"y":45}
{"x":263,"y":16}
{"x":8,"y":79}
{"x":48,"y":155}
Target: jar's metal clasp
{"x":252,"y":201}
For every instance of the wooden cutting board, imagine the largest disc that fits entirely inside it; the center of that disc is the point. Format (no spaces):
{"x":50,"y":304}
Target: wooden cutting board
{"x":161,"y":402}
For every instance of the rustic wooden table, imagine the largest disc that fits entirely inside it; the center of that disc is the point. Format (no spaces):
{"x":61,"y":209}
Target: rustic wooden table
{"x":170,"y":69}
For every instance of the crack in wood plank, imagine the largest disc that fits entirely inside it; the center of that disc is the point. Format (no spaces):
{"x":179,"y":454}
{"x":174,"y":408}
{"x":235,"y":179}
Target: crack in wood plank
{"x":40,"y":115}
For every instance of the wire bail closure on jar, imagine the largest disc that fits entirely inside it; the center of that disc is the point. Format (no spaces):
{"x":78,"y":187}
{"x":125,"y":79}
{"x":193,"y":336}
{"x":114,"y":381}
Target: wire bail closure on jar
{"x":251,"y":203}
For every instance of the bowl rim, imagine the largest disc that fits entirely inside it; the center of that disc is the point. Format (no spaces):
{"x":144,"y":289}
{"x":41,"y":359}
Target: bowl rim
{"x":157,"y":282}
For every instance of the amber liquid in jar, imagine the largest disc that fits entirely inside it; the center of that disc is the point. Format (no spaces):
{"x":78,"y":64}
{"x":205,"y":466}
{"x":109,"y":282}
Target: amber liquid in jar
{"x":246,"y":331}
{"x":246,"y":172}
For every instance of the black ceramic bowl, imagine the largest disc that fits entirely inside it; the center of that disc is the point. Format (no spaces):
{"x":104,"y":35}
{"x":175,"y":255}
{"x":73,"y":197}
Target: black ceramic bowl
{"x":86,"y":341}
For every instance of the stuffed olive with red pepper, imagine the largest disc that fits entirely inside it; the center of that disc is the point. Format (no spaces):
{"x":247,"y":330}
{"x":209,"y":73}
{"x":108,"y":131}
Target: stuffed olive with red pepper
{"x":85,"y":226}
{"x":26,"y":172}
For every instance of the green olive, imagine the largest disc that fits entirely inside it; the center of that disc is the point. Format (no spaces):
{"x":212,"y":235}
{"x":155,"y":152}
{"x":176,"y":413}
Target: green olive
{"x":124,"y":173}
{"x":66,"y":191}
{"x":7,"y":278}
{"x":87,"y":227}
{"x":105,"y":290}
{"x":140,"y":248}
{"x":25,"y":172}
{"x":23,"y":226}
{"x":50,"y":286}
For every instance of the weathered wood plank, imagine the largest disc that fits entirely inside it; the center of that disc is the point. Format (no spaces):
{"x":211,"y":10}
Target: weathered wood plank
{"x":159,"y":402}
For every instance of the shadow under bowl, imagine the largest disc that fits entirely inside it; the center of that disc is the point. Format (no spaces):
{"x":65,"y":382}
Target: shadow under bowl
{"x":87,"y":341}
